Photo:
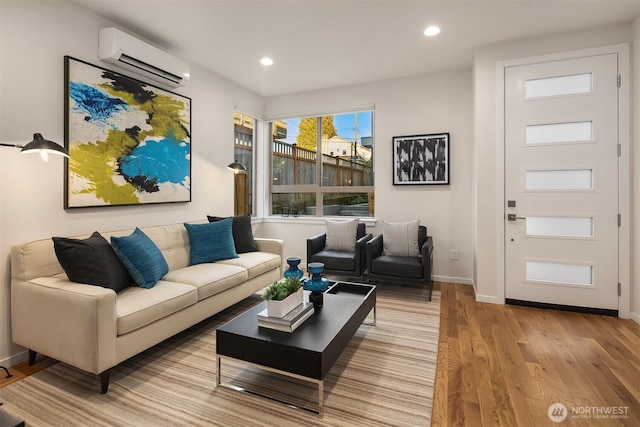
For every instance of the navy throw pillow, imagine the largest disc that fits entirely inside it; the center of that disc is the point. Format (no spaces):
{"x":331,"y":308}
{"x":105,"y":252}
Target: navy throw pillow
{"x":91,"y":261}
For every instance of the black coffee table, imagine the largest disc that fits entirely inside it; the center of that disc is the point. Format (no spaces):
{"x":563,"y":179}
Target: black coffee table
{"x":311,"y":350}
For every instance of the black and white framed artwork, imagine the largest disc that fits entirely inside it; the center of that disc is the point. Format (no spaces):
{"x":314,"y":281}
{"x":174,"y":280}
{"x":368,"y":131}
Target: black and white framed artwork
{"x":421,"y":159}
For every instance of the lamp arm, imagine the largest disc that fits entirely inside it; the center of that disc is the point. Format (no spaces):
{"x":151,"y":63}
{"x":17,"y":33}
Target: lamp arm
{"x":11,"y":145}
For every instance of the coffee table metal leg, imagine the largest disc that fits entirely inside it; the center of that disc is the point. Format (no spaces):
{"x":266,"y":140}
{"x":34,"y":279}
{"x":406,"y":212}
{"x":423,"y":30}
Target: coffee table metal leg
{"x":374,"y":318}
{"x":319,"y":383}
{"x":218,"y":375}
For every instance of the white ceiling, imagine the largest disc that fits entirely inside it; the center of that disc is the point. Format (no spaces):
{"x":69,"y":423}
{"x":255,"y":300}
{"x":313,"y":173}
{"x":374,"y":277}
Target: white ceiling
{"x":329,"y":43}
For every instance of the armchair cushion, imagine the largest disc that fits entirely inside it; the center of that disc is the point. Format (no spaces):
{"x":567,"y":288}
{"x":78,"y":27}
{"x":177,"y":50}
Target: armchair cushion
{"x":349,"y":263}
{"x":400,"y":238}
{"x":336,"y":260}
{"x":399,"y":266}
{"x":341,"y":235}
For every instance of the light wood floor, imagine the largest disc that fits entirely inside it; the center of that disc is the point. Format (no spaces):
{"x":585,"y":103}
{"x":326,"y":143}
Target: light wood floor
{"x":505,"y":365}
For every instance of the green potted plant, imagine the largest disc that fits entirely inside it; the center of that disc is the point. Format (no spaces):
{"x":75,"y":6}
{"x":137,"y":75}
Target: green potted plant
{"x":283,"y":296}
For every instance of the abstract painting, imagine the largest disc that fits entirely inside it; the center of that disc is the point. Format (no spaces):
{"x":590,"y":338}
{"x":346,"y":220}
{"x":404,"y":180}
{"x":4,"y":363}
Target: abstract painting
{"x":421,"y":159}
{"x":129,"y":142}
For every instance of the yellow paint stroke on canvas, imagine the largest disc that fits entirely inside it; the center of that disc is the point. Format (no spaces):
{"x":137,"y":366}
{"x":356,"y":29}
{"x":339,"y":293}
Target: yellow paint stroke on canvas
{"x":96,"y":162}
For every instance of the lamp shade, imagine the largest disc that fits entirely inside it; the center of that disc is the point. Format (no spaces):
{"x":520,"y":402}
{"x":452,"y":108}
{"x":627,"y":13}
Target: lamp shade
{"x":41,"y":145}
{"x":237,"y":167}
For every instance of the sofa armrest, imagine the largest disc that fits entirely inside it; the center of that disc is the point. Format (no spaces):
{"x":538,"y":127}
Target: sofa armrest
{"x":70,"y":322}
{"x":274,"y":246}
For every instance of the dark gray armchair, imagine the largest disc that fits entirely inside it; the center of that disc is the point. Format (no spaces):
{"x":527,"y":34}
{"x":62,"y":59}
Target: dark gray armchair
{"x":401,"y":269}
{"x":340,"y":263}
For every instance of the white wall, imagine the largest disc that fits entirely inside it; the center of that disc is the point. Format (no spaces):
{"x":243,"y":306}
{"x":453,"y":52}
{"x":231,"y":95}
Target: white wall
{"x":427,"y":104}
{"x":34,"y":37}
{"x":635,"y":146}
{"x":488,"y":195}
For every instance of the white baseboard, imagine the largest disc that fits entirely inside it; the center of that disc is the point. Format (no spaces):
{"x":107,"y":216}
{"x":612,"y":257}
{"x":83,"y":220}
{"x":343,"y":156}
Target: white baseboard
{"x":448,"y":279}
{"x":635,"y":317}
{"x":14,"y":359}
{"x":491,"y":299}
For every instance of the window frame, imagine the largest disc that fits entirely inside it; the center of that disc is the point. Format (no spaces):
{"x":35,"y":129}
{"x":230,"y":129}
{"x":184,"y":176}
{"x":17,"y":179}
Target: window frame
{"x":317,"y":188}
{"x":252,"y":172}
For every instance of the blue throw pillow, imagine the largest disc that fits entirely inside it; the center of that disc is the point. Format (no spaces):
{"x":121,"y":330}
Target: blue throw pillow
{"x":211,"y":242}
{"x":142,"y":258}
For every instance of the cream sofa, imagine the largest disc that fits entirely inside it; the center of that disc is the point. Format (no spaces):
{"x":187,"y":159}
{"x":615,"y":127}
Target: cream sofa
{"x":94,"y":328}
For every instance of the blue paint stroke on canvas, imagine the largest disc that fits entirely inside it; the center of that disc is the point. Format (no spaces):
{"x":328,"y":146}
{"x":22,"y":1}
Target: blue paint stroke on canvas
{"x":157,"y":162}
{"x":95,"y":104}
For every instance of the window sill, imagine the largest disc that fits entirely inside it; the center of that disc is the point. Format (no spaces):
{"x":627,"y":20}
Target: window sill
{"x":314,"y":220}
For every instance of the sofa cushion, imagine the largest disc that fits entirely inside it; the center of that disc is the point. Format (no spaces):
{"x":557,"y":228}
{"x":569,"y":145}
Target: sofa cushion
{"x":209,"y":279}
{"x":400,"y":238}
{"x":92,"y":261}
{"x":137,"y":307}
{"x":256,"y":263}
{"x":336,"y":260}
{"x":242,"y":233}
{"x":341,"y":235}
{"x":141,"y":257}
{"x":210,"y":242}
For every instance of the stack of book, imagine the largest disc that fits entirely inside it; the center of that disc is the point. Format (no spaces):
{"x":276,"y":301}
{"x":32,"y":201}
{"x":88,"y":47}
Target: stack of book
{"x":290,"y":321}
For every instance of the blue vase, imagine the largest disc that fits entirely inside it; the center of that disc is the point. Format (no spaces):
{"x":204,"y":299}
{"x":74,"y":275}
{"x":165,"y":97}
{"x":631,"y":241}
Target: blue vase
{"x":317,"y":284}
{"x":293,"y":272}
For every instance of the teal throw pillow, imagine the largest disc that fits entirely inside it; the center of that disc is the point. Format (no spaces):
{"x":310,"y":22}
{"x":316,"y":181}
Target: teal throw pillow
{"x":211,"y":242}
{"x":242,"y":233}
{"x":142,"y":258}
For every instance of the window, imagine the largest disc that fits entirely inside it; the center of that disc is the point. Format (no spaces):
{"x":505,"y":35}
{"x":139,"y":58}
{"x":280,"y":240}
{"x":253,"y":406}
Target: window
{"x":323,"y":165}
{"x":244,"y":126}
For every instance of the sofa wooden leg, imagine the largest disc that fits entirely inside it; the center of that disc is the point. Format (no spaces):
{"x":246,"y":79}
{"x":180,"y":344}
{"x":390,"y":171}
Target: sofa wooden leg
{"x":104,"y":381}
{"x":32,"y":357}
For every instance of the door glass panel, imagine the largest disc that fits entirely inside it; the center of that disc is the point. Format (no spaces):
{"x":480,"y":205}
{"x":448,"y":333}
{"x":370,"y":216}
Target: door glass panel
{"x":576,"y":179}
{"x":559,"y":226}
{"x":559,"y":132}
{"x":560,"y":273}
{"x":558,"y":86}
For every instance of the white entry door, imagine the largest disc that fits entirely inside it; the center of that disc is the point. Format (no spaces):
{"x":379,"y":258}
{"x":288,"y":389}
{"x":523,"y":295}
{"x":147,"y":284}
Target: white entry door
{"x":561,"y":183}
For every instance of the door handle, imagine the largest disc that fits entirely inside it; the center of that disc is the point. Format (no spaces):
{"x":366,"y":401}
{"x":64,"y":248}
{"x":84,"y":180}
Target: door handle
{"x":513,"y":217}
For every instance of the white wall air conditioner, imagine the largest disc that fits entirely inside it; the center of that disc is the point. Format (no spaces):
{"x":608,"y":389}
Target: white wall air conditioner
{"x":145,"y":60}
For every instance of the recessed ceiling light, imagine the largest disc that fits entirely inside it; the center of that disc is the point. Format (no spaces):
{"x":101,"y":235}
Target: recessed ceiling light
{"x":431,"y":31}
{"x":266,"y":61}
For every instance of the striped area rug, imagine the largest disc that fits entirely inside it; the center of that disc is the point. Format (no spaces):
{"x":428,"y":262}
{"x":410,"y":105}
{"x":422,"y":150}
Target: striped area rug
{"x":385,"y":377}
